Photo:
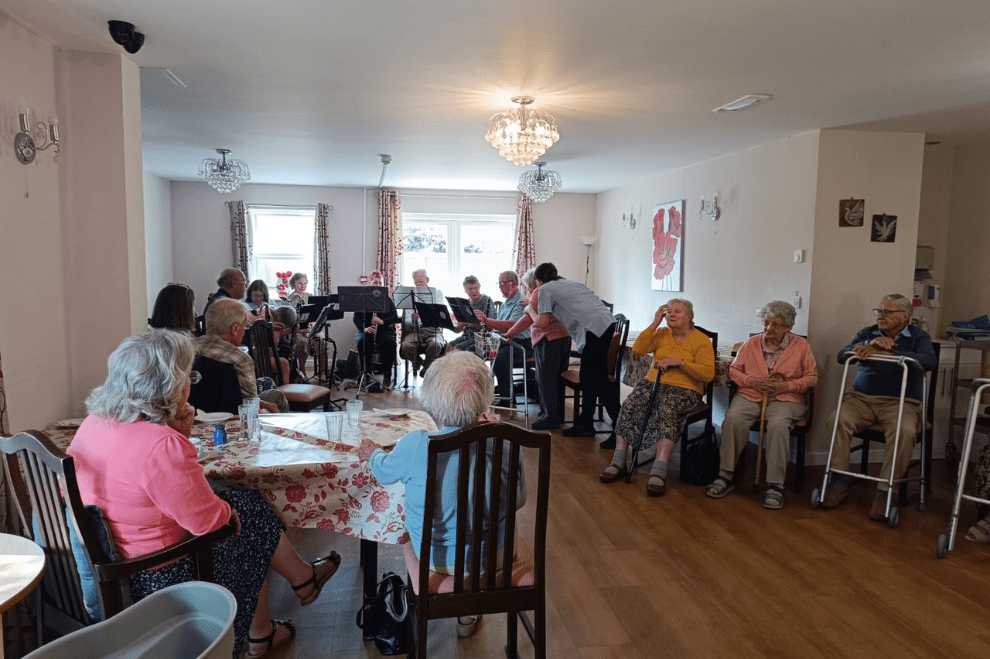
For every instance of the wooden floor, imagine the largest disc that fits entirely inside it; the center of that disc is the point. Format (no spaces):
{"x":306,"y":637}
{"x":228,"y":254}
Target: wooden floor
{"x":686,"y":576}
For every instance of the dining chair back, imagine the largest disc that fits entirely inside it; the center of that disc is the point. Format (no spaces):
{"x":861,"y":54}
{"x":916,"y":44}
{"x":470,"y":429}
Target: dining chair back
{"x":260,"y":339}
{"x":510,"y":578}
{"x":571,"y":378}
{"x":46,"y":495}
{"x":220,"y":388}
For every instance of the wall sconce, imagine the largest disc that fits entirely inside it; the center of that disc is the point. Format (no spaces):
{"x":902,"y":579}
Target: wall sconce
{"x":710,"y":208}
{"x":24,"y":146}
{"x":588,"y":242}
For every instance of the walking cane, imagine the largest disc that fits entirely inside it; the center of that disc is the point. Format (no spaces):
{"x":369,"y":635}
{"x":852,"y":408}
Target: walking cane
{"x":759,"y":447}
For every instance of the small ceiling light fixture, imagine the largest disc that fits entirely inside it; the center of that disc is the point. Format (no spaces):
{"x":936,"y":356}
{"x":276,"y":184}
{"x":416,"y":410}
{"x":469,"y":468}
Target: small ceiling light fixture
{"x":522,"y":135}
{"x":222,"y":174}
{"x":24,"y":147}
{"x":710,"y":208}
{"x":539,"y":185}
{"x":741,"y":103}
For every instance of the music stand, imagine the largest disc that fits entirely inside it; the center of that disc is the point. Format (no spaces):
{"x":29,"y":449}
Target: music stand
{"x":463,"y":312}
{"x":434,"y":316}
{"x":366,"y":299}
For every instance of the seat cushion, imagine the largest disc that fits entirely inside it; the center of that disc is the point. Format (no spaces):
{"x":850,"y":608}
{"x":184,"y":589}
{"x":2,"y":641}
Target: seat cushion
{"x":522,"y":570}
{"x":572,"y":376}
{"x":303,"y":393}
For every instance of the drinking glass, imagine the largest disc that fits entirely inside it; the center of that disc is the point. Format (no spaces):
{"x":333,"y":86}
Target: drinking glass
{"x":335,"y":425}
{"x":354,"y":408}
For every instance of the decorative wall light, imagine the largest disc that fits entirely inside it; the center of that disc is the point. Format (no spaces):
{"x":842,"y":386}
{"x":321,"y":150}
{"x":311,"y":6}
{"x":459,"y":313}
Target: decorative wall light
{"x":710,"y":208}
{"x":24,"y":147}
{"x":522,"y":135}
{"x":539,"y":185}
{"x":222,"y":174}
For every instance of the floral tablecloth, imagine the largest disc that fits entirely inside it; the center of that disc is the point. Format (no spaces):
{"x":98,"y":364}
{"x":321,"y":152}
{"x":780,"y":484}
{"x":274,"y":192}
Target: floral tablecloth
{"x":311,"y":482}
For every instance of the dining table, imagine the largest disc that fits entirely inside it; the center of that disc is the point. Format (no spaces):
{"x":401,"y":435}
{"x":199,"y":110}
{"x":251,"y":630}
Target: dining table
{"x":22,"y":566}
{"x":310,"y":480}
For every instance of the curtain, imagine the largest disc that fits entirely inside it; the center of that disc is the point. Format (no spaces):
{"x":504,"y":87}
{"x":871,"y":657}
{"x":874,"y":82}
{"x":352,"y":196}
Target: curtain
{"x":240,"y":236}
{"x":4,"y":518}
{"x":524,"y":251}
{"x":389,"y":237}
{"x":321,"y":249}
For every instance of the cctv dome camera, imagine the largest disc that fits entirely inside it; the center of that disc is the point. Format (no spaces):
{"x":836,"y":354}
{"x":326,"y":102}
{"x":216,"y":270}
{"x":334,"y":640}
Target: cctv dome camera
{"x":124,"y":34}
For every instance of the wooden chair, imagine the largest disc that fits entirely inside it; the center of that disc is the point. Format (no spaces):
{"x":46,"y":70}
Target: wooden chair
{"x":875,"y":434}
{"x":46,"y":495}
{"x":701,"y":413}
{"x":260,"y":339}
{"x":220,"y":388}
{"x":480,"y":450}
{"x":571,"y":378}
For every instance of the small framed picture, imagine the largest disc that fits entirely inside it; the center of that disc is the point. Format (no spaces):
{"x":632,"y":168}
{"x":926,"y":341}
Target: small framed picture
{"x":884,"y":229}
{"x":851,"y":212}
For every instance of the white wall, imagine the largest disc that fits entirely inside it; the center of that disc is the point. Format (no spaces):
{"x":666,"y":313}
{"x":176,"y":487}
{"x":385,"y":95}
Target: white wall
{"x":933,"y":222}
{"x":157,"y":235}
{"x":32,"y":340}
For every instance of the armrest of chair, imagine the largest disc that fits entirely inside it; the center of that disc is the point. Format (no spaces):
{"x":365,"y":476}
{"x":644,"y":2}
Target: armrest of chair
{"x":113,"y":571}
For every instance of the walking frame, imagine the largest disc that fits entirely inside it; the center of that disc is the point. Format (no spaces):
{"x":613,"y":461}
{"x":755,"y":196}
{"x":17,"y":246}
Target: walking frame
{"x":946,"y":542}
{"x":906,"y":363}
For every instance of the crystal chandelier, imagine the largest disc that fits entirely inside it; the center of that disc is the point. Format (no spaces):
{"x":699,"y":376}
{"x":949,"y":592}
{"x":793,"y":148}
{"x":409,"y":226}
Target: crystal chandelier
{"x":522,"y":135}
{"x":539,"y":185}
{"x":222,"y":174}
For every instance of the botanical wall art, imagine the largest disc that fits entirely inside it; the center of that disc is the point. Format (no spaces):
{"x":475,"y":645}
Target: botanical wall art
{"x":668,"y":247}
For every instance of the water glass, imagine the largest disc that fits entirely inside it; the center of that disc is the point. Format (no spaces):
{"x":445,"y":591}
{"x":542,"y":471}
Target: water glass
{"x":354,"y":408}
{"x":335,"y":425}
{"x":255,"y":404}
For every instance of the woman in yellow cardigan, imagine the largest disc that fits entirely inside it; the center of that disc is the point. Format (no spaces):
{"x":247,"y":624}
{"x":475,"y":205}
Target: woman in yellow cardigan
{"x":684,"y":359}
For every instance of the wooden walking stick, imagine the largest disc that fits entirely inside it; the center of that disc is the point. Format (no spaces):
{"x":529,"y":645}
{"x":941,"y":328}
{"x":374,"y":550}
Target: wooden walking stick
{"x":759,"y":447}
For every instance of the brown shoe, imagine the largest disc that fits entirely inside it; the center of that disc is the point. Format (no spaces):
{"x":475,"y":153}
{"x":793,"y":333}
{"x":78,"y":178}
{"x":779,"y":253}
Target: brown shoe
{"x":656,"y":490}
{"x":878,"y":511}
{"x":608,"y":476}
{"x":834,"y":497}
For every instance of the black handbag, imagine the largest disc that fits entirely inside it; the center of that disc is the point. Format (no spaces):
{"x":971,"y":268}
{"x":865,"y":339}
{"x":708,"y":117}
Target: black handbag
{"x":700,"y":459}
{"x":383,"y":616}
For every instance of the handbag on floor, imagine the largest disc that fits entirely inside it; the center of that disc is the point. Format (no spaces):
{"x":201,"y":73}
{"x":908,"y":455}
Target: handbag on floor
{"x":699,"y":459}
{"x":383,"y":616}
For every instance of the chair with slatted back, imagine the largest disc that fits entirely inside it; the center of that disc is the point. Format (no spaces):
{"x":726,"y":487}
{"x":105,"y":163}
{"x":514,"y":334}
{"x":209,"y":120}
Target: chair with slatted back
{"x":260,"y":339}
{"x":478,"y":585}
{"x":702,"y":413}
{"x":220,"y":388}
{"x":46,"y":495}
{"x":571,"y":380}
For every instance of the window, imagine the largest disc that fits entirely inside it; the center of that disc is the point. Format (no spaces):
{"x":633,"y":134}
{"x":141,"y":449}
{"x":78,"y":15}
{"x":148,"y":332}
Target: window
{"x":451,"y":247}
{"x":282,"y":239}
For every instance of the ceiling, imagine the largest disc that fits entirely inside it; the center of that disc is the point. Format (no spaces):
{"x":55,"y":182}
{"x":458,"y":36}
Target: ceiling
{"x":310,"y":92}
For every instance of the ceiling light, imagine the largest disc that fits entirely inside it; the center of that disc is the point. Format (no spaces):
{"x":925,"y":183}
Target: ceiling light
{"x":522,"y":135}
{"x":224,"y":175}
{"x":539,"y":185}
{"x":743,"y":102}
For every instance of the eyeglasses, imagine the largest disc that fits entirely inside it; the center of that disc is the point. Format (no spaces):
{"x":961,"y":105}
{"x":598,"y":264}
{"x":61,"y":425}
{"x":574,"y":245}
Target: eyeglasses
{"x":504,"y":283}
{"x":887,"y":312}
{"x":195,"y":377}
{"x":774,"y":324}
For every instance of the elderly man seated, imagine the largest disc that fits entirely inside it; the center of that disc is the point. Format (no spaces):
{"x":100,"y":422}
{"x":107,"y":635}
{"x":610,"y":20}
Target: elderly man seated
{"x":226,"y":322}
{"x":416,"y":339}
{"x":875,"y":397}
{"x":511,"y":311}
{"x":232,"y":283}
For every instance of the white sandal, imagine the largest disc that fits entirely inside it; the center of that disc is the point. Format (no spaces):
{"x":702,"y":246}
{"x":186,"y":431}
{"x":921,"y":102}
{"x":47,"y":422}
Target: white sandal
{"x":467,"y":625}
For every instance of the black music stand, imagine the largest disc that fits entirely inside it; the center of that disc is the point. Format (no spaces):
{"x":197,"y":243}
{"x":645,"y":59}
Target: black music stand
{"x":434,"y":316}
{"x":367,"y":299}
{"x":463,"y":312}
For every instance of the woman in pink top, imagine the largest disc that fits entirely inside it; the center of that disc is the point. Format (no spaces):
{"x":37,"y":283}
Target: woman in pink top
{"x":552,"y":350}
{"x":134,"y":460}
{"x":777,"y":367}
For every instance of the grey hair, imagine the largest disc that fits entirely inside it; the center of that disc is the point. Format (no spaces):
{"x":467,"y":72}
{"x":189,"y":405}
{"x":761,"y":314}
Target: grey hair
{"x":529,"y":278}
{"x":687,"y":307}
{"x":224,"y":314}
{"x":145,"y":377}
{"x":421,"y":271}
{"x":904,"y":303}
{"x":285,"y":315}
{"x":296,"y":277}
{"x":457,"y":389}
{"x":470,"y":279}
{"x":227,"y":277}
{"x":510,"y":274}
{"x":778,"y":309}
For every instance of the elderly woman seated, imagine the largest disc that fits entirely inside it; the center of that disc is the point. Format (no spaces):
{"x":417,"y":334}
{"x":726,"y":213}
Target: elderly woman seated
{"x":456,"y":391}
{"x":479,"y":302}
{"x":134,"y":460}
{"x":175,"y":309}
{"x":773,"y":370}
{"x":684,"y":361}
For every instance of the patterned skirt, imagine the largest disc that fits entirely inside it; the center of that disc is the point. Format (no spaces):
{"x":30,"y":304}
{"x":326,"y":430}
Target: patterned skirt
{"x":667,"y":418}
{"x":240,"y":563}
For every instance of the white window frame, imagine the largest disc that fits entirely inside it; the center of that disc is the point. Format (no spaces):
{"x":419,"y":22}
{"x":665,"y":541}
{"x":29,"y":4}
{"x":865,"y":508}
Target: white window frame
{"x":274,"y":211}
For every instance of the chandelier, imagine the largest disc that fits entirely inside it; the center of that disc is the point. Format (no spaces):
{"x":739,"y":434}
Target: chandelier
{"x":539,"y":185}
{"x":222,"y":174}
{"x":522,"y":135}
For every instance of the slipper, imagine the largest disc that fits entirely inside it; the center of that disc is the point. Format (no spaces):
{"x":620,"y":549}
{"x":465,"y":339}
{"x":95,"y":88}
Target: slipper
{"x":656,"y":485}
{"x":980,"y":532}
{"x":719,"y":488}
{"x":270,"y":639}
{"x":319,"y":579}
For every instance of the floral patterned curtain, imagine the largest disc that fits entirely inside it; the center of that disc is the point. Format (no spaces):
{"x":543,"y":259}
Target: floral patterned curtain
{"x":389,"y":237}
{"x":524,"y":251}
{"x":240,"y":235}
{"x":322,"y":249}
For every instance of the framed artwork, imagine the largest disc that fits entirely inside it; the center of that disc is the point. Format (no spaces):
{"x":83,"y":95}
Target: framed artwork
{"x":884,"y":229}
{"x":668,"y":247}
{"x":851,"y":212}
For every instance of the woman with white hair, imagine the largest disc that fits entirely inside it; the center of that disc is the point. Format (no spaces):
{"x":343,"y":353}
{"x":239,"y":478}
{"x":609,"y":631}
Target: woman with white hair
{"x":775,"y":369}
{"x":134,"y":460}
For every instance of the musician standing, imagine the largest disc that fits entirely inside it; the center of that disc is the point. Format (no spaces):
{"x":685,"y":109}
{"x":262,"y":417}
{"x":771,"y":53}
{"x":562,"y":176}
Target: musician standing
{"x":377,"y":330}
{"x":418,"y":340}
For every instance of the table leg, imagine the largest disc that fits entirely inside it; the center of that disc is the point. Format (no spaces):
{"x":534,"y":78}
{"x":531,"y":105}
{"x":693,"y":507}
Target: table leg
{"x":369,"y":563}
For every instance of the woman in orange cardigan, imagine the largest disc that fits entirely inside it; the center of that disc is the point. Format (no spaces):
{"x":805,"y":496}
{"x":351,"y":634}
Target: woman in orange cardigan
{"x":684,"y":361}
{"x":777,"y":366}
